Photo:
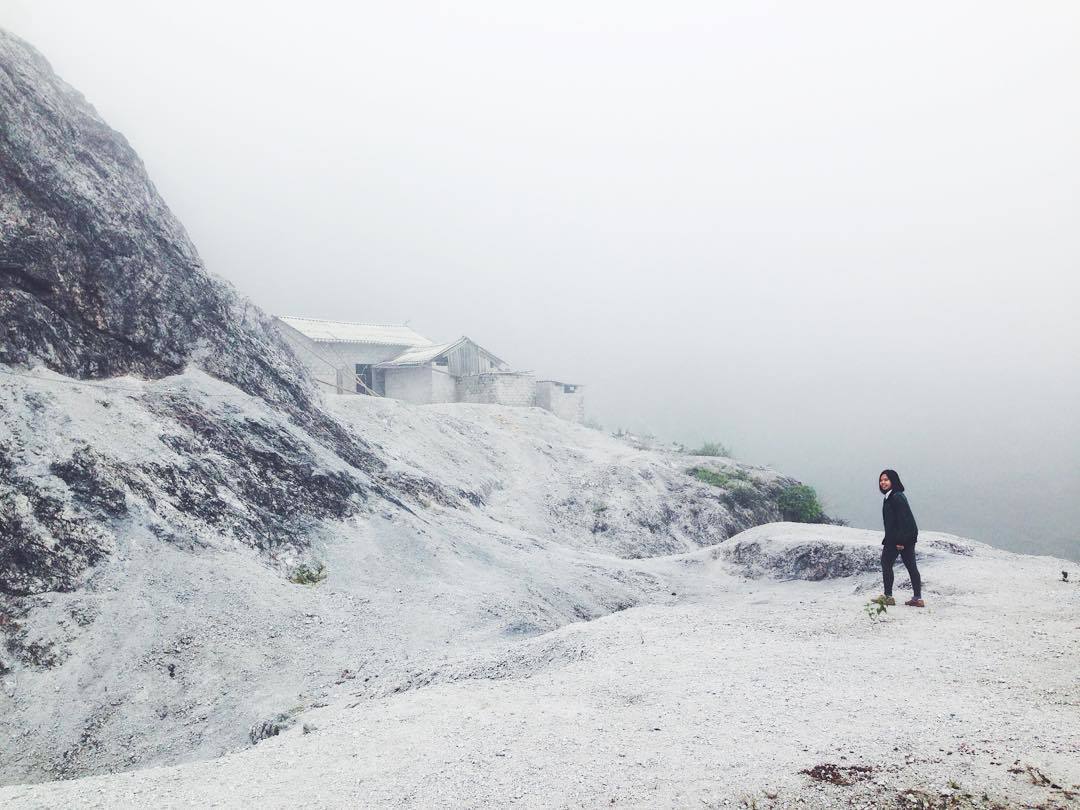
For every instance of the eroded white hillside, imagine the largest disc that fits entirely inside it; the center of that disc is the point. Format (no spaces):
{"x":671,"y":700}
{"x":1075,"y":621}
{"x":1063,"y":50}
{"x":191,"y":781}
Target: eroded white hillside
{"x":163,"y":626}
{"x":555,"y":479}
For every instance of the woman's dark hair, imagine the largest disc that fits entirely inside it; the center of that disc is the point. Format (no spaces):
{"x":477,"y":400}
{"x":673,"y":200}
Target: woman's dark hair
{"x":894,"y":476}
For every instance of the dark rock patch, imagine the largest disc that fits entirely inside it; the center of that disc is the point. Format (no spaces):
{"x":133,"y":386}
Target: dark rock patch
{"x":44,"y":543}
{"x":839,"y":774}
{"x":475,"y":498}
{"x":97,"y":276}
{"x":265,"y":729}
{"x":952,"y":546}
{"x":32,"y":652}
{"x":421,"y":490}
{"x":811,"y":560}
{"x":88,"y":478}
{"x":251,"y":479}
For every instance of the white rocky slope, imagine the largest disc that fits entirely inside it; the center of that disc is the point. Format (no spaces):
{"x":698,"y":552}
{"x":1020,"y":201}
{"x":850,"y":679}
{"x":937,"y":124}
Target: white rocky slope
{"x":725,"y":691}
{"x":164,"y":626}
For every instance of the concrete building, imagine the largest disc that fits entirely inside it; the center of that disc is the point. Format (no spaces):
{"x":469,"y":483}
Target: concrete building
{"x":342,"y":356}
{"x":397,"y":362}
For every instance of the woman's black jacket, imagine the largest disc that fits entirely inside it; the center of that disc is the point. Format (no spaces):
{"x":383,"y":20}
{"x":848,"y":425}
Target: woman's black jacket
{"x":900,"y":525}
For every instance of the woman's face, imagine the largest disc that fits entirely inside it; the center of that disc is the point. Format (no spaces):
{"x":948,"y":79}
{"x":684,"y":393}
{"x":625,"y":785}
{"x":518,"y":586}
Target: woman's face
{"x":884,"y":483}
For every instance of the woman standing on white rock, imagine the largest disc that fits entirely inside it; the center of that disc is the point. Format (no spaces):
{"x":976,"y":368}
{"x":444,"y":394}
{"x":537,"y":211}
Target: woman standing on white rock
{"x":901,"y":534}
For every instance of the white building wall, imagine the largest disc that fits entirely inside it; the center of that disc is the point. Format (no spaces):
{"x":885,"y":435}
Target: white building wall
{"x":566,"y":404}
{"x":350,"y":355}
{"x":412,"y":384}
{"x":443,"y":386}
{"x":324,"y":373}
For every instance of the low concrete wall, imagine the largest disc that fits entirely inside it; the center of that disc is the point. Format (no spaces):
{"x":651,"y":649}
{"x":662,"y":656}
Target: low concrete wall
{"x":502,"y":388}
{"x":428,"y":384}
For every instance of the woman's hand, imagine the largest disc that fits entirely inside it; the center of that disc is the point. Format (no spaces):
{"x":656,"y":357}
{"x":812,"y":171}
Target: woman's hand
{"x":899,"y":546}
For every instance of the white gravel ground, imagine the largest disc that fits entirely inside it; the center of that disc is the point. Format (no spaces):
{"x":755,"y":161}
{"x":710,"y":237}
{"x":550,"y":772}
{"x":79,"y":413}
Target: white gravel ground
{"x":720,"y":695}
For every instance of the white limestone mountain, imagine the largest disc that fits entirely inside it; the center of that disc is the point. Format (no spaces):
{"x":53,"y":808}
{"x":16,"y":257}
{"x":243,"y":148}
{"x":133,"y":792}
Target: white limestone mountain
{"x":284,"y":600}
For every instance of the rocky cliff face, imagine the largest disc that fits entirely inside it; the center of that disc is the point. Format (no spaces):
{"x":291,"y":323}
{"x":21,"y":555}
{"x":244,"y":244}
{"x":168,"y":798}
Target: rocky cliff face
{"x":99,"y":279}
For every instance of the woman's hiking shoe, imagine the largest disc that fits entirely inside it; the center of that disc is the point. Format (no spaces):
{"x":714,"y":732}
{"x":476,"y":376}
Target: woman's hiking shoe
{"x":885,"y":600}
{"x":915,"y":603}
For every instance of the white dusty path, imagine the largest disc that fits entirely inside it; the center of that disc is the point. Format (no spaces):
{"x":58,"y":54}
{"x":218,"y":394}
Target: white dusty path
{"x":724,"y":694}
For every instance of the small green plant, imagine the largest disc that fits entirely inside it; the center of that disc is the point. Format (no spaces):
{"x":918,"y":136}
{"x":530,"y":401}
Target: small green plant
{"x":875,"y":607}
{"x":723,"y":479}
{"x":799,"y":503}
{"x":713,"y":449}
{"x":306,"y":575}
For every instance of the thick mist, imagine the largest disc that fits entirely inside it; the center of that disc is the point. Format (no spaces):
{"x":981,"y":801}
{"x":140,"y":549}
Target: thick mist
{"x":836,"y":237}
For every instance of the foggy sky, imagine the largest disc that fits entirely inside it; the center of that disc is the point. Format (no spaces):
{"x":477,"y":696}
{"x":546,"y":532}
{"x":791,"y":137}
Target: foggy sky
{"x":835,"y":236}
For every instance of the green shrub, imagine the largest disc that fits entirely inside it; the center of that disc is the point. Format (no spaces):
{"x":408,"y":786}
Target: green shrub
{"x":799,"y":503}
{"x":305,"y":575}
{"x":712,"y":449}
{"x":747,"y":495}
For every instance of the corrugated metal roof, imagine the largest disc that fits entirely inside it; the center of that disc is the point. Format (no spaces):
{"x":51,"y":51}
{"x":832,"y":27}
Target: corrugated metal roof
{"x":425,"y":354}
{"x":324,"y":331}
{"x":421,"y":355}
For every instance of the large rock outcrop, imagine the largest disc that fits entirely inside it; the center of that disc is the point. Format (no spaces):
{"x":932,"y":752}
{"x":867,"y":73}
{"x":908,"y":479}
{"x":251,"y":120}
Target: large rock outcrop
{"x":99,"y":279}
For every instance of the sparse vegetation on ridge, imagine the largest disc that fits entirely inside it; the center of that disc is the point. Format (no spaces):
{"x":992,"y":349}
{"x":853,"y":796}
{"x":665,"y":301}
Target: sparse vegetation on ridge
{"x":726,"y":479}
{"x":712,"y":449}
{"x":306,"y":575}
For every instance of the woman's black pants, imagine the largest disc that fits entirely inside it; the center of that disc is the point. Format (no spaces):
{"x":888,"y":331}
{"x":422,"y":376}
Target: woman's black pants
{"x":889,"y":553}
